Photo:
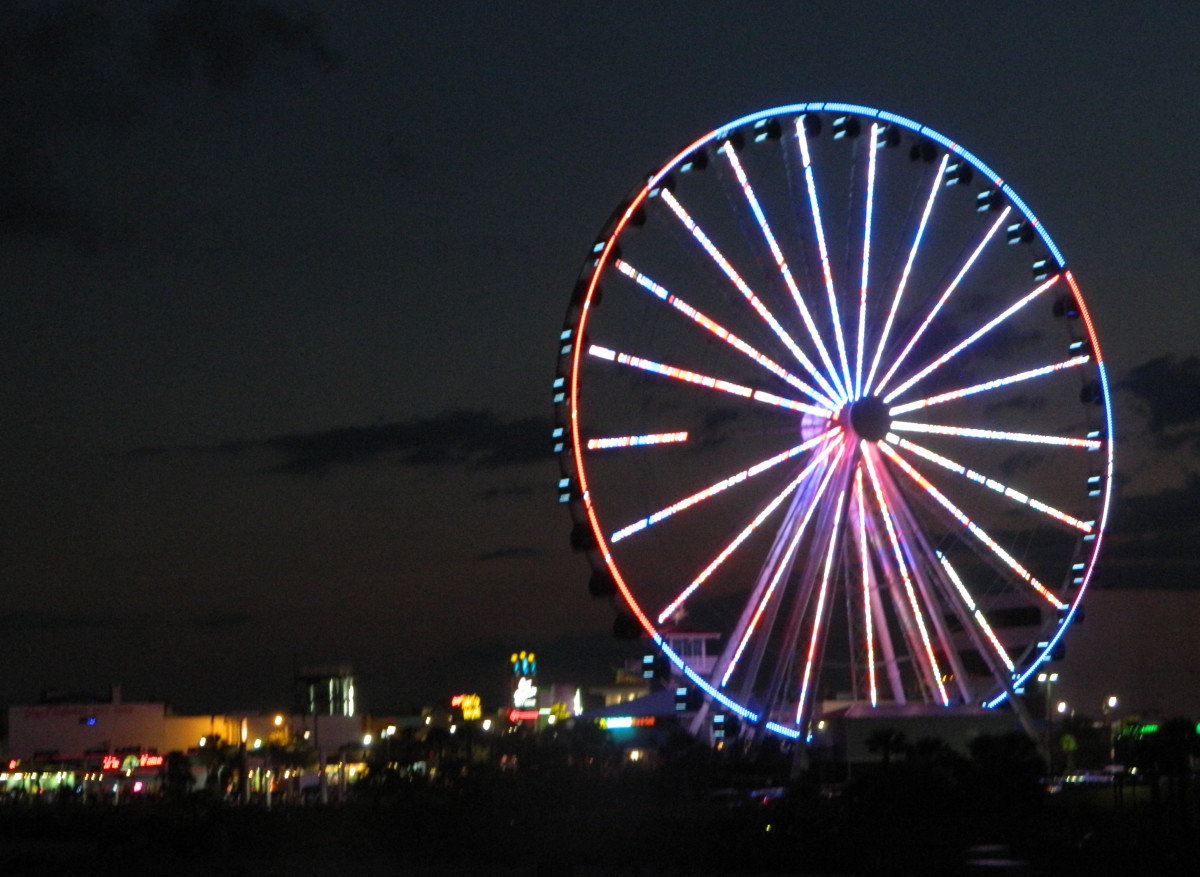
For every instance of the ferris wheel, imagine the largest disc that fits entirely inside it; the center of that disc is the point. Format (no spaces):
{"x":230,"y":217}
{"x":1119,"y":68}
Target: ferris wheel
{"x":829,"y":396}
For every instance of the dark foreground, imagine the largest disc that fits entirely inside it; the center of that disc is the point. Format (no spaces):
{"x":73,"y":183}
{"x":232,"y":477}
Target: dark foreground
{"x":600,"y":827}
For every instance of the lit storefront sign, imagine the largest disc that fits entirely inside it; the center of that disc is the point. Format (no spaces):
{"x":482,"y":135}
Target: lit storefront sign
{"x":470,"y":705}
{"x":130,"y":762}
{"x":525,"y":694}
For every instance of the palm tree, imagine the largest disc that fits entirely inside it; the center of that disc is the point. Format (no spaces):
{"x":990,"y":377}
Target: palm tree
{"x":886,"y":741}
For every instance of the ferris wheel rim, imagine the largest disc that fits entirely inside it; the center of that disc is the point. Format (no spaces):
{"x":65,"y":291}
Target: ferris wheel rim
{"x":602,"y":257}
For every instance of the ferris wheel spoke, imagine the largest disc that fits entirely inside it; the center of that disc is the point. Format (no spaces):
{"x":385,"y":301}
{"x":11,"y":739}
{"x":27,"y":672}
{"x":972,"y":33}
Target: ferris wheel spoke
{"x":976,"y":613}
{"x":719,"y":486}
{"x":971,"y":260}
{"x":873,"y":152}
{"x":1064,"y":441}
{"x":804,"y":509}
{"x":677,"y":603}
{"x":932,"y":667}
{"x":975,"y":530}
{"x":972,"y":338}
{"x":818,"y":226}
{"x":695,"y":378}
{"x":781,"y":263}
{"x":1002,"y":489}
{"x":934,"y":188}
{"x":725,"y":335}
{"x":635,"y":441}
{"x":865,"y":570}
{"x":819,"y":619}
{"x":744,"y":289}
{"x":1073,"y":362}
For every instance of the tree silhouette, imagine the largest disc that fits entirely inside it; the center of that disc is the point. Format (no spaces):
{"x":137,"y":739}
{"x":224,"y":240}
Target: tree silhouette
{"x":886,"y":742}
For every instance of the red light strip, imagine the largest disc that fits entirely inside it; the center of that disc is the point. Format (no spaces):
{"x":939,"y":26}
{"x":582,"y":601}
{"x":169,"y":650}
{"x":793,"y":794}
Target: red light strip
{"x":974,"y":528}
{"x":819,"y":613}
{"x":991,"y":233}
{"x":990,"y":385}
{"x":912,"y":255}
{"x":866,"y":261}
{"x":718,"y":487}
{"x":736,"y":279}
{"x":1001,"y":652}
{"x":674,"y":605}
{"x":1016,"y":495}
{"x":969,"y":432}
{"x":935,"y":671}
{"x":725,"y":335}
{"x":784,"y":564}
{"x":971,"y":339}
{"x":865,"y":563}
{"x":781,"y":263}
{"x":810,"y":180}
{"x":691,"y":377}
{"x":633,"y":441}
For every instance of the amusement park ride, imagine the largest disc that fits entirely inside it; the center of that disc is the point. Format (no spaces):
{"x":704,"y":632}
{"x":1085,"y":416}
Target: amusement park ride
{"x":827,"y":389}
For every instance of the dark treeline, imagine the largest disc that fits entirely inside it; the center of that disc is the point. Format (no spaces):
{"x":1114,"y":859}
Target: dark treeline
{"x":568,"y":802}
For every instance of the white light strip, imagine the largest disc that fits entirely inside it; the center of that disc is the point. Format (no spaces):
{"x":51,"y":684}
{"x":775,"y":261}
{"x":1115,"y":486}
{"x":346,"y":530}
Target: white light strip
{"x":912,"y":255}
{"x":975,"y":611}
{"x":784,"y":564}
{"x":969,"y":432}
{"x":864,"y":557}
{"x":818,"y":615}
{"x":636,"y":441}
{"x":725,"y":335}
{"x":996,"y":226}
{"x":866,"y":261}
{"x":802,"y":137}
{"x":914,"y":603}
{"x":740,"y":284}
{"x":691,"y":377}
{"x":674,"y":605}
{"x":972,"y":338}
{"x":989,"y":385}
{"x":1016,"y":495}
{"x":714,"y":489}
{"x":782,"y":264}
{"x":977,"y":531}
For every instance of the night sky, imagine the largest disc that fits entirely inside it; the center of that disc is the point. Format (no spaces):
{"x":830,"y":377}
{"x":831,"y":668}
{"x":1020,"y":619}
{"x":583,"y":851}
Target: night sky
{"x":281,"y":285}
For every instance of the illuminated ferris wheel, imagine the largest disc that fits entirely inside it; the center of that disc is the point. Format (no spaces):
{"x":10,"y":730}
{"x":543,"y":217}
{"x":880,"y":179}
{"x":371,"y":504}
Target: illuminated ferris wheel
{"x":828,"y":392}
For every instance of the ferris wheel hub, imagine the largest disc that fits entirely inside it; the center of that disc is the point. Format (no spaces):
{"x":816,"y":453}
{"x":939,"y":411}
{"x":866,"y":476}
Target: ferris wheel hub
{"x":869,"y":418}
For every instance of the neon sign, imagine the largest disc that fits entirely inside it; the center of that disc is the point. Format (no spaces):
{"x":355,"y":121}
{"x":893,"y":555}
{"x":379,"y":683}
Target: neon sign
{"x":617,"y":723}
{"x":469,"y":704}
{"x":525,"y":694}
{"x":130,"y":762}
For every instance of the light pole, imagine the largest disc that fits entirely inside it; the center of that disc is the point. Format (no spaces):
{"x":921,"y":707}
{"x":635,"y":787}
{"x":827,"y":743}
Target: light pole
{"x":1047,"y":680}
{"x":1110,"y":704}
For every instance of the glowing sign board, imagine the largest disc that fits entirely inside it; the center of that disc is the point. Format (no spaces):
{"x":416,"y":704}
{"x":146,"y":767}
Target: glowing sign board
{"x":469,"y":704}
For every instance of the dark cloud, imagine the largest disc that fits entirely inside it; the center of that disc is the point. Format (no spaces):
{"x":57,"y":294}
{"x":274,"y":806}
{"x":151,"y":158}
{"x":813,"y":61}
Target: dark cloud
{"x":30,"y":620}
{"x":476,"y":439}
{"x":520,"y":491}
{"x":1167,"y":391}
{"x":515,"y":552}
{"x":1152,"y":540}
{"x":226,"y":41}
{"x":220,"y":619}
{"x":93,"y":64}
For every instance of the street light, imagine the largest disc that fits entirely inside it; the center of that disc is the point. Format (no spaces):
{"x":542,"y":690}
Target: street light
{"x":1110,"y":704}
{"x":1048,"y":680}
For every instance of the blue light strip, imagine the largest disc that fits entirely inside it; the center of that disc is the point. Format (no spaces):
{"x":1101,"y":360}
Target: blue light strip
{"x":902,"y":121}
{"x":696,"y":679}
